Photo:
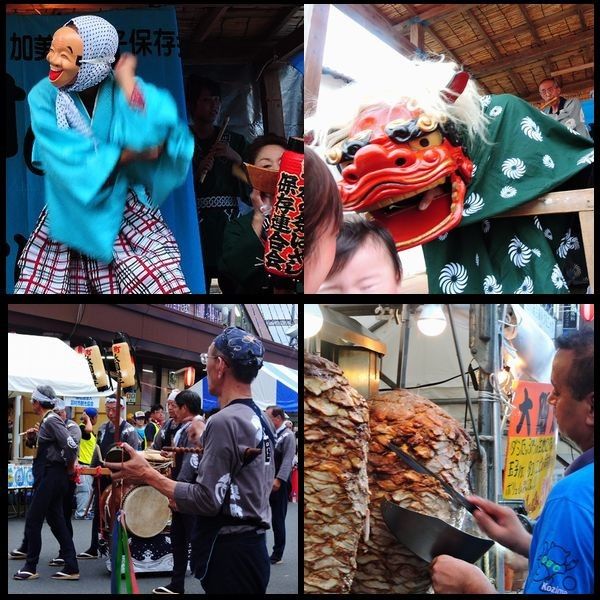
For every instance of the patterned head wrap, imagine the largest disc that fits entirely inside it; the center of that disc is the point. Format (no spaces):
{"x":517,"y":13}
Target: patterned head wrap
{"x":241,"y":347}
{"x":100,"y":44}
{"x":44,"y":394}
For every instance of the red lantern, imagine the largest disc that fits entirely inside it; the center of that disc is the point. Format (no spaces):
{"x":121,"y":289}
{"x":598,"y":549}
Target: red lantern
{"x":587,"y":312}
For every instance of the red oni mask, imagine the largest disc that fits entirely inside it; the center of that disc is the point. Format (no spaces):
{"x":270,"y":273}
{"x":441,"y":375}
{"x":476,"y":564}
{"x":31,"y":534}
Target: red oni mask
{"x":407,"y":171}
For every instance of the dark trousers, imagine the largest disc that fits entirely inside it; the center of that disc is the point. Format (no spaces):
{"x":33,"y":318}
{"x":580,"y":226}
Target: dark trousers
{"x":47,"y":503}
{"x":181,"y":530}
{"x":279,"y":504}
{"x":104,"y":483}
{"x":239,"y":564}
{"x":68,"y":512}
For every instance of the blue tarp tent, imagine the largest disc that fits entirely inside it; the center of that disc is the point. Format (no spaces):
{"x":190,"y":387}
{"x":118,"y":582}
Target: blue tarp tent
{"x":274,"y":385}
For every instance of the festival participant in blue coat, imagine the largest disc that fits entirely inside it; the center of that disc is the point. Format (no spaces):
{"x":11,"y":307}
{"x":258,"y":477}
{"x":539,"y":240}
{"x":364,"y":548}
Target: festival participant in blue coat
{"x":112,"y":148}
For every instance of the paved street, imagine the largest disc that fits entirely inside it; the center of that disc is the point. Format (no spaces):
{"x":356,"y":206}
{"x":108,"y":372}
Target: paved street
{"x":95,"y":578}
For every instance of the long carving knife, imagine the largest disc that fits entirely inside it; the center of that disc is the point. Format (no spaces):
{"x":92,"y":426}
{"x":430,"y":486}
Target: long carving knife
{"x":458,"y":498}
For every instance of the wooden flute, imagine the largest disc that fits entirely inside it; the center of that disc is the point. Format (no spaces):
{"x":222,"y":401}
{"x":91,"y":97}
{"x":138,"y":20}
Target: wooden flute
{"x":248,"y":453}
{"x":548,"y":103}
{"x":181,"y":450}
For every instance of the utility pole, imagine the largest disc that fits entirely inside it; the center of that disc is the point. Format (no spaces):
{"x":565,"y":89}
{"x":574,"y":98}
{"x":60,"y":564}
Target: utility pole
{"x":485,"y":343}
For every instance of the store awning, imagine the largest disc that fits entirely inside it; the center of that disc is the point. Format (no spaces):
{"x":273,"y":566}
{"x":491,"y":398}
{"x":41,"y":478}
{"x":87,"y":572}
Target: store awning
{"x":274,"y":384}
{"x":38,"y":360}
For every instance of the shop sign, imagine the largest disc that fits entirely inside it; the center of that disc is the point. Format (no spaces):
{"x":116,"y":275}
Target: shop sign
{"x":530,"y":447}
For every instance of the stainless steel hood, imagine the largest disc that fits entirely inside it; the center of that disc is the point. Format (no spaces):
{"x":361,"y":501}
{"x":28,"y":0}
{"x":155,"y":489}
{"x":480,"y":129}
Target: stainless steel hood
{"x":347,"y":343}
{"x":341,"y":330}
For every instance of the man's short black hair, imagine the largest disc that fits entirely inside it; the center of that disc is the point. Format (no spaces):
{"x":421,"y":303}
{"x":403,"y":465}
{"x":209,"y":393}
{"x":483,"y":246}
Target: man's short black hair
{"x":243,"y":373}
{"x":156,"y":407}
{"x":190,"y":399}
{"x":277,"y":411}
{"x":196,"y":85}
{"x":49,"y":392}
{"x":580,"y":378}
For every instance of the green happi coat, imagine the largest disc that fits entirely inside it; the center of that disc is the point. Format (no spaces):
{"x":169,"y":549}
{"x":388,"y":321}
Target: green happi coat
{"x":530,"y":155}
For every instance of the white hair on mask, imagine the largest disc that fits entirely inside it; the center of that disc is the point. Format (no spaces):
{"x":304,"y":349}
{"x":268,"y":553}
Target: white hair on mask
{"x":423,"y":81}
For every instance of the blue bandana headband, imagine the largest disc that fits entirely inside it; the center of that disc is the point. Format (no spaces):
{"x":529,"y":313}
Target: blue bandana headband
{"x":241,"y":347}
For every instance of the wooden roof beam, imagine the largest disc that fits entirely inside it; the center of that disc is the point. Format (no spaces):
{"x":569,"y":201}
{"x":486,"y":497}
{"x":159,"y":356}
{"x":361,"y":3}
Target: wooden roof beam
{"x":372,"y":20}
{"x":562,"y":45}
{"x":432,"y":34}
{"x":511,"y":33}
{"x":535,"y":36}
{"x":589,"y":65}
{"x":203,"y":28}
{"x":439,"y":12}
{"x":519,"y":86}
{"x":282,"y":20}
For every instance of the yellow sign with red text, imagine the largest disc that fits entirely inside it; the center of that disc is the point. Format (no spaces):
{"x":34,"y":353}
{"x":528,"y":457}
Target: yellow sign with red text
{"x":531,"y":447}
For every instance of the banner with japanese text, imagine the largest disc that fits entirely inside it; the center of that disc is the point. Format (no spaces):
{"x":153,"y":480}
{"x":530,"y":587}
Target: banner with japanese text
{"x":530,"y":447}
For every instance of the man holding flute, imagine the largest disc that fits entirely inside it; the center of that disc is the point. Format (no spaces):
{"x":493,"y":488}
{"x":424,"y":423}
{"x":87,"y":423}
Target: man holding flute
{"x":218,"y":191}
{"x":56,"y":453}
{"x":564,"y":110}
{"x":230,"y":492}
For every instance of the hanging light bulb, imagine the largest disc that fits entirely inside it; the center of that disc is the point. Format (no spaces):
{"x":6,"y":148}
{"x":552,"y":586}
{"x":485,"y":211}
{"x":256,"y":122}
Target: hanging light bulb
{"x":313,"y":320}
{"x":506,"y":380}
{"x":432,"y":320}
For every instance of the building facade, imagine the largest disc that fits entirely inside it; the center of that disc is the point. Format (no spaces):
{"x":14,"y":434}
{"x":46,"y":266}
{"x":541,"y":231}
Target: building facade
{"x":167,"y":339}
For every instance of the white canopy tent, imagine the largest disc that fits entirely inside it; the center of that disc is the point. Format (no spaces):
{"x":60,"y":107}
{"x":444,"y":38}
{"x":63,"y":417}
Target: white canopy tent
{"x":37,"y":360}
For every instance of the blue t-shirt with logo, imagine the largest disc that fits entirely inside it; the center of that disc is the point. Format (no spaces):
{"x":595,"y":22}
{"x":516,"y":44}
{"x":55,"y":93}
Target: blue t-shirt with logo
{"x":561,"y":557}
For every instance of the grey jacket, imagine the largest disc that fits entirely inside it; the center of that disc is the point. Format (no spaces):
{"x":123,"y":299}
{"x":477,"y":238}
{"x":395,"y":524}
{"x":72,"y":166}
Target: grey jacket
{"x":285,"y":449}
{"x":64,"y":448}
{"x":570,"y":114}
{"x":129,"y":434}
{"x":222,"y":481}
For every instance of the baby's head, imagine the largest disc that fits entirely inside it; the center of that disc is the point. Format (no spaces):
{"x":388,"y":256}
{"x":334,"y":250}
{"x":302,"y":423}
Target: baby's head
{"x":366,"y":260}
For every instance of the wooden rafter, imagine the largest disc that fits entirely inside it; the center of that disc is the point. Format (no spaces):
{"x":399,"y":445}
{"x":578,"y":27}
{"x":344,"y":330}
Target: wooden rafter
{"x":368,"y":17}
{"x":526,"y":28}
{"x":440,"y":12}
{"x":566,"y":44}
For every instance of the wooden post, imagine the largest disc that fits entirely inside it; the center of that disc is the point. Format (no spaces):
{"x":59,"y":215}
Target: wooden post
{"x":117,"y":420}
{"x":313,"y":57}
{"x":272,"y":108}
{"x":113,"y":497}
{"x":587,"y":232}
{"x":568,"y":201}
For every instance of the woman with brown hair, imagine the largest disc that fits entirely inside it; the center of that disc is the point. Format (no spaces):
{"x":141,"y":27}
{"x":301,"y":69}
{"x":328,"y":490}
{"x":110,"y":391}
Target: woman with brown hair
{"x":322,"y":220}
